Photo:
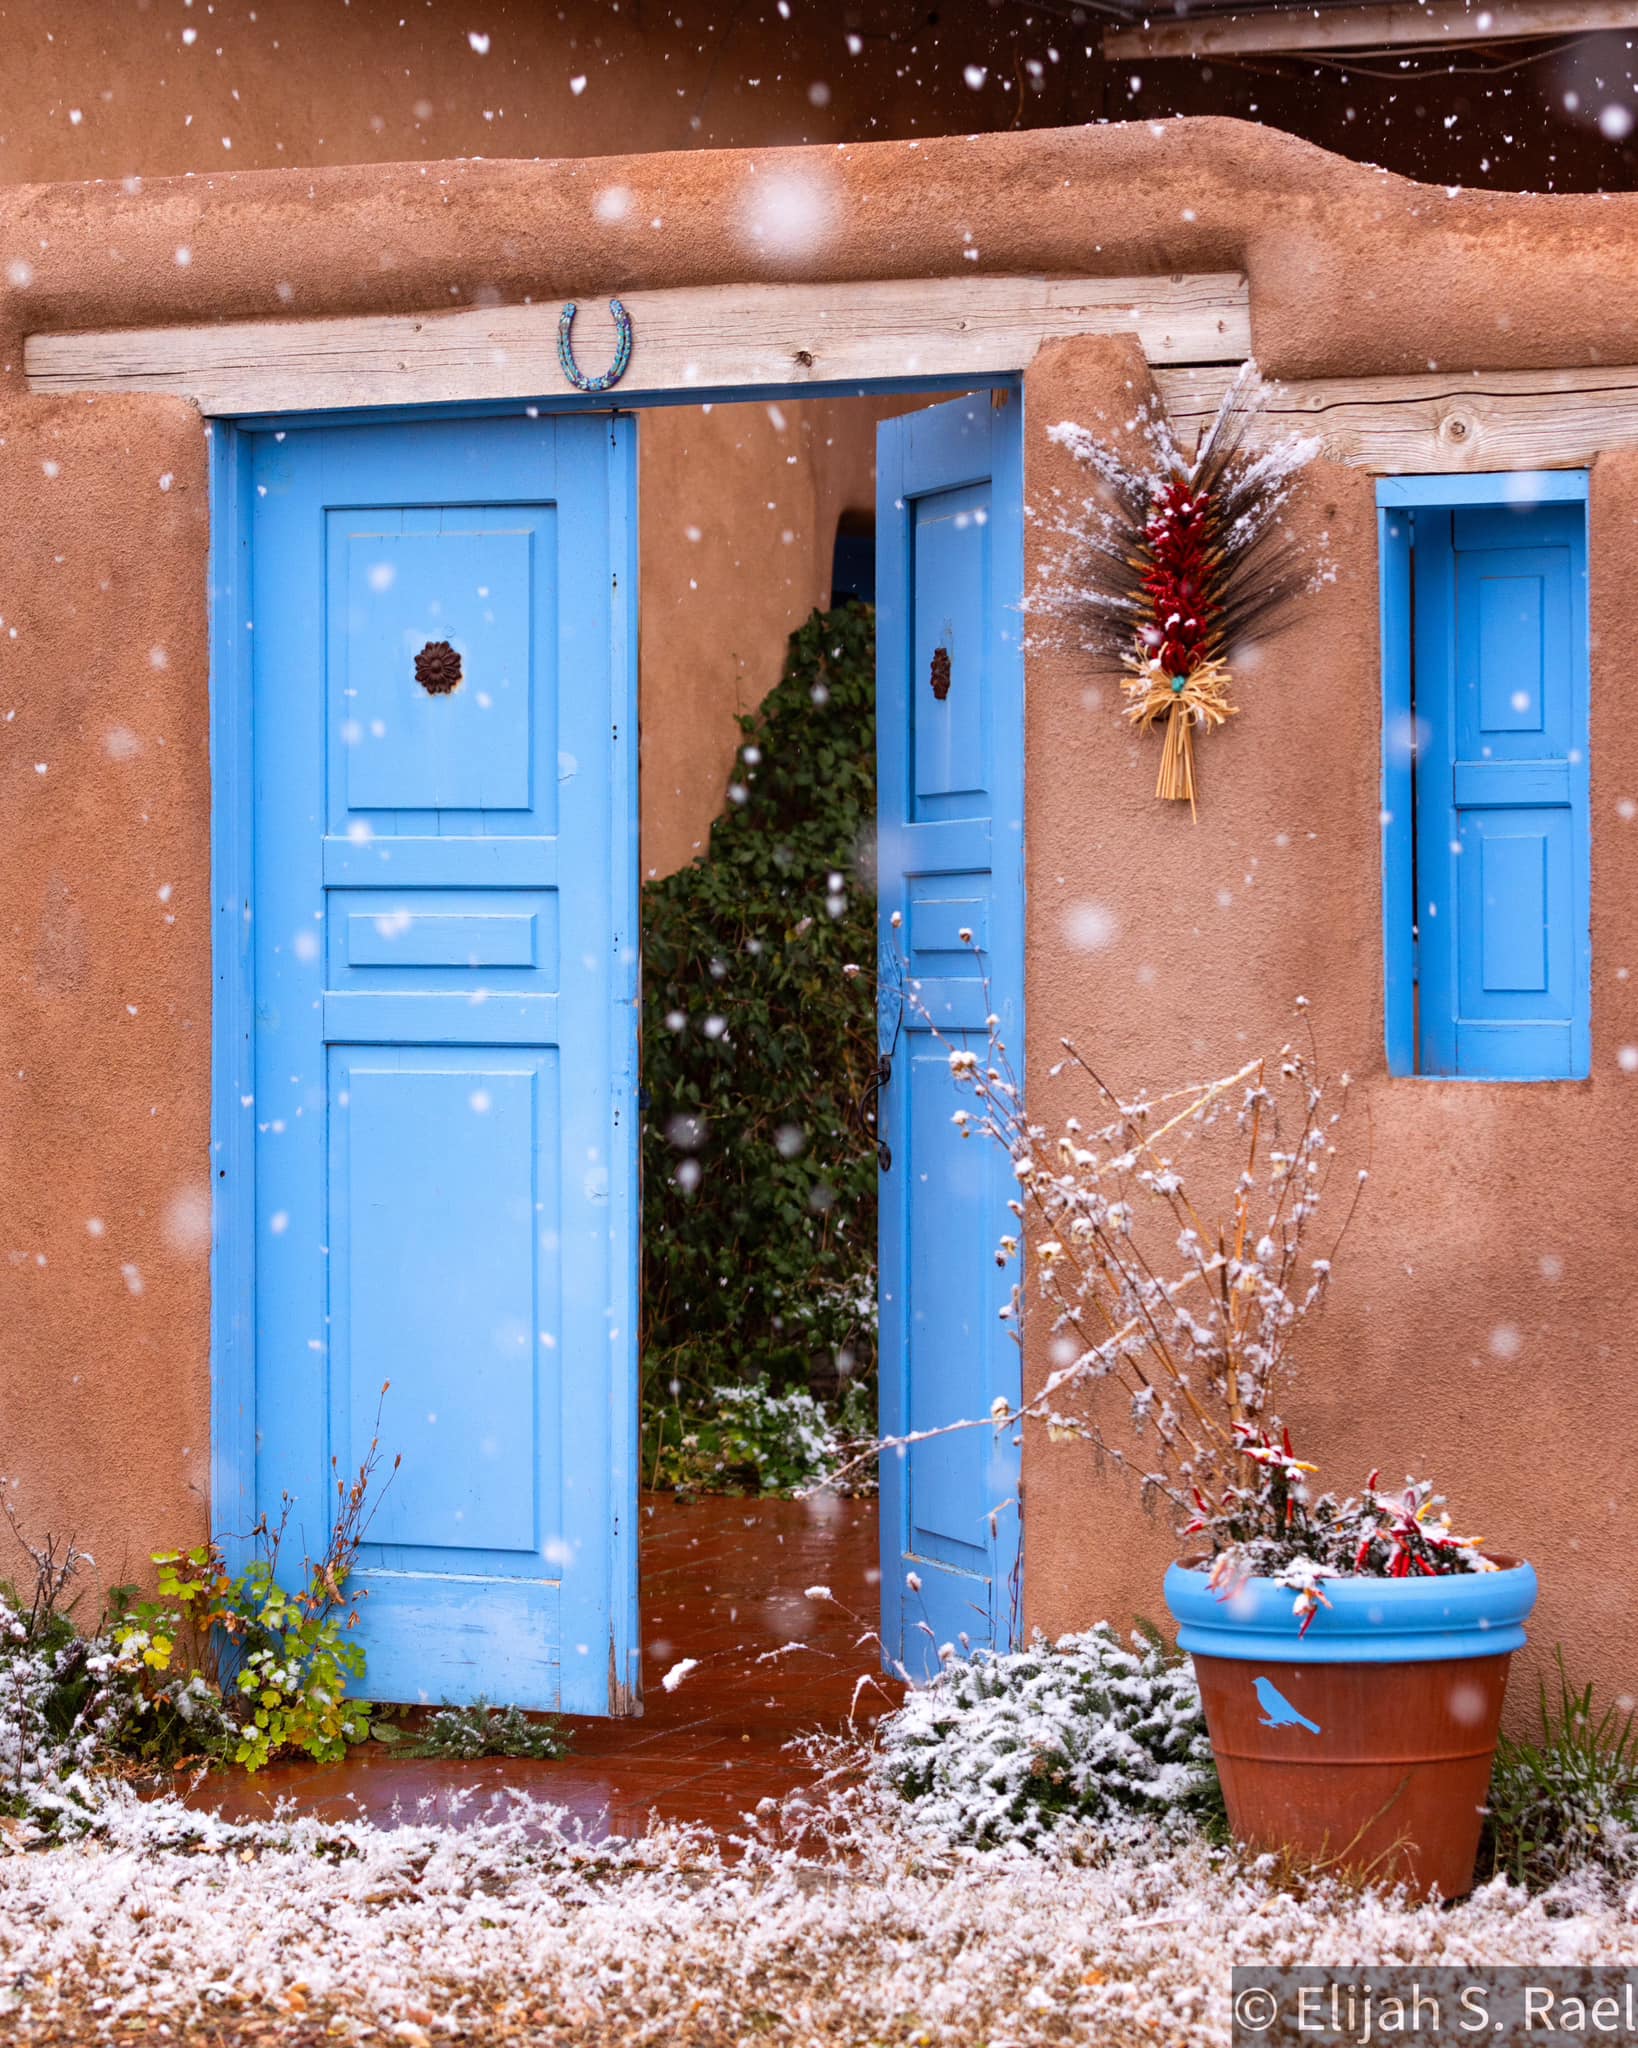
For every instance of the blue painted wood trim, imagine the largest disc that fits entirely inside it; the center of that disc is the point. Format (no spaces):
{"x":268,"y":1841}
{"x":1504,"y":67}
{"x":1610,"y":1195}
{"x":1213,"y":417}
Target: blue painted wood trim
{"x":1433,"y":665}
{"x":625,"y":1218}
{"x":233,"y":1181}
{"x":1011,"y":905}
{"x":1514,"y":489}
{"x":1581,"y":798}
{"x":644,"y":401}
{"x":1394,"y":532}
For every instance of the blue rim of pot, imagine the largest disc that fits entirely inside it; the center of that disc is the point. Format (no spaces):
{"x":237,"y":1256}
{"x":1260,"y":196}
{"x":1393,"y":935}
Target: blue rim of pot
{"x":1369,"y":1621}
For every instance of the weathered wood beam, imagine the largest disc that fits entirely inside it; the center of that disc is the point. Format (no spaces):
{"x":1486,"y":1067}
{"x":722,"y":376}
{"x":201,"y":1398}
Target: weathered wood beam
{"x":1443,"y":421}
{"x":720,"y":337}
{"x":1392,"y":25}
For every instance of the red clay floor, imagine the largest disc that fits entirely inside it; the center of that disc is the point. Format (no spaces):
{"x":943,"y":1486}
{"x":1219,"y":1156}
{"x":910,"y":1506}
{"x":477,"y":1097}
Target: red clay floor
{"x":723,"y":1582}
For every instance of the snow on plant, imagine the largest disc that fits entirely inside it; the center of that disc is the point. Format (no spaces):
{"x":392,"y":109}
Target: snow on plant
{"x":69,"y":1703}
{"x":1173,"y":1316}
{"x":752,"y":1438}
{"x":1000,"y":1748}
{"x":1563,"y":1802}
{"x":465,"y":1733}
{"x":146,"y":1687}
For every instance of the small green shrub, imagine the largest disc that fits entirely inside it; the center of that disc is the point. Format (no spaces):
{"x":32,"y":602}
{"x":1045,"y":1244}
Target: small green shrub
{"x":280,"y":1654}
{"x":463,"y":1734}
{"x":217,"y":1666}
{"x":1003,"y":1748}
{"x":290,"y":1657}
{"x":759,"y":1177}
{"x":754,"y":1440}
{"x":1567,"y":1800}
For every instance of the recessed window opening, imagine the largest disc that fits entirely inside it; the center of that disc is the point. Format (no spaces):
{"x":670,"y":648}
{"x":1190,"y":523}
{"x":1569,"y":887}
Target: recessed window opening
{"x":853,"y":560}
{"x":1486,"y":852}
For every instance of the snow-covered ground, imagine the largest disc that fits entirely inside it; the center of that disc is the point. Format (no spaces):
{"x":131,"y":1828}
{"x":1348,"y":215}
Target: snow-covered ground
{"x":169,"y":1922}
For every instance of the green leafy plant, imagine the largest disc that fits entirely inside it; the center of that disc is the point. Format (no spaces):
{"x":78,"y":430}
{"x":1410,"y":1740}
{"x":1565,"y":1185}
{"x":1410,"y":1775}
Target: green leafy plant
{"x":1003,"y":1748}
{"x":759,"y":1166}
{"x":281,"y":1655}
{"x":1568,"y":1798}
{"x":465,"y":1733}
{"x":755,"y":1440}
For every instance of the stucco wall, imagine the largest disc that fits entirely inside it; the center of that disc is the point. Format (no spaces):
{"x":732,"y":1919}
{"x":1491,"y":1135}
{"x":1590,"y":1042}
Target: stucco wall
{"x":739,"y":512}
{"x":105,"y":981}
{"x":103,"y":1391}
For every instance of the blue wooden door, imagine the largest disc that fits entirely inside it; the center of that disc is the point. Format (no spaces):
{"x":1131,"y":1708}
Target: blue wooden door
{"x":1502,"y":891}
{"x":445,"y":970}
{"x":950,"y":725}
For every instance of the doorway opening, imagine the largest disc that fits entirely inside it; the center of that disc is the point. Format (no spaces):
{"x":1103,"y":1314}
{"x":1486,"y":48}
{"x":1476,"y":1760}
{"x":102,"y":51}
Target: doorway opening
{"x":427,"y":1146}
{"x":776,"y":999}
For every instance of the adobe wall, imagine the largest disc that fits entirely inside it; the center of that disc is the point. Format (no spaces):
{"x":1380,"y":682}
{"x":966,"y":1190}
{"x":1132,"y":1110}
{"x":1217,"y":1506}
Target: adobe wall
{"x":739,"y":505}
{"x":100,"y":91}
{"x":104,"y":1390}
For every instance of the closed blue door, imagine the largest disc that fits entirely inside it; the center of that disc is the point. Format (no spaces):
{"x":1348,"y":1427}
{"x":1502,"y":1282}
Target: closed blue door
{"x":950,"y":724}
{"x":445,"y":969}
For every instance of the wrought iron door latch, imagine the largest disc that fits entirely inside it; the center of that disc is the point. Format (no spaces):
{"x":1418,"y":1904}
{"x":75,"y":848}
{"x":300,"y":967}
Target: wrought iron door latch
{"x":867,"y":1110}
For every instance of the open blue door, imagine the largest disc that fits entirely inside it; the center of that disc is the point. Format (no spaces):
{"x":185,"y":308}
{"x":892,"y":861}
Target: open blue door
{"x":444,"y":910}
{"x":950,"y":726}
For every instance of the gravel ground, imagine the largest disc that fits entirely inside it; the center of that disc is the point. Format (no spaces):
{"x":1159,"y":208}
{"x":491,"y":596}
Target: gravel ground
{"x":168,"y":1925}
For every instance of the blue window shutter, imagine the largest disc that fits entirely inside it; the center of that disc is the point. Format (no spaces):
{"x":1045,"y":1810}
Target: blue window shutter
{"x":1501,"y":837}
{"x":1394,"y":529}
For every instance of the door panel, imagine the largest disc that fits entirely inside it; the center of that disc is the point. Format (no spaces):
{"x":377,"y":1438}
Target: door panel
{"x":445,"y":927}
{"x":950,"y":858}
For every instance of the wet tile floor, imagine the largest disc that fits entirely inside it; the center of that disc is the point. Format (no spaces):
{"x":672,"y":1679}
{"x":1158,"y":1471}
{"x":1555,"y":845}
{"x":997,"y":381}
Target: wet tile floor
{"x":723,"y":1582}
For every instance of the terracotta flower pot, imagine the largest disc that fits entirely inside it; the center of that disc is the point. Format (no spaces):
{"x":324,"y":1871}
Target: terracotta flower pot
{"x":1364,"y":1746}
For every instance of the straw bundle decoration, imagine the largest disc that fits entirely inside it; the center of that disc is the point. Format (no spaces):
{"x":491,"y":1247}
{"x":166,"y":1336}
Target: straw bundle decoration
{"x":1178,"y":562}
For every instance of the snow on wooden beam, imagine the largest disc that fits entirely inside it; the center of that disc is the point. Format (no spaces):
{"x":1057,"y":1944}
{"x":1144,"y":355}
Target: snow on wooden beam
{"x":715,"y":338}
{"x":1396,"y":24}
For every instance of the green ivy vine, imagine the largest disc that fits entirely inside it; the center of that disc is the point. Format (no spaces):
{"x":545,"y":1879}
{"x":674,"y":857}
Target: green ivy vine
{"x":759,"y":1171}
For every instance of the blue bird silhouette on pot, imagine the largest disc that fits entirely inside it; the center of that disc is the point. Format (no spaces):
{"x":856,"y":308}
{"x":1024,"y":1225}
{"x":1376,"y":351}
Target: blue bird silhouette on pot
{"x":1278,"y":1712}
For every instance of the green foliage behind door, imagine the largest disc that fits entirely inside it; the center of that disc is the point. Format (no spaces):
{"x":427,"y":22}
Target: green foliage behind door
{"x":759,"y":1173}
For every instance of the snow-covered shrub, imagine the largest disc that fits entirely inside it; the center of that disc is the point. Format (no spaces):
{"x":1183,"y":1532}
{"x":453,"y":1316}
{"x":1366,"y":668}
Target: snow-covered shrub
{"x":70,"y":1705}
{"x":463,"y":1733}
{"x":756,"y":1440}
{"x":46,"y":1739}
{"x":1000,"y":1748}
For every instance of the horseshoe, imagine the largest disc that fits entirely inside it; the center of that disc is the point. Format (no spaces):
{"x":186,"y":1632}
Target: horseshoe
{"x":622,"y":349}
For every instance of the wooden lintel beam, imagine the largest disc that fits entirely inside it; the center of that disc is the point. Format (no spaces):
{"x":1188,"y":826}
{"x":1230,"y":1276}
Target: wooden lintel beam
{"x":714,"y":338}
{"x":1390,"y":25}
{"x":1441,"y":422}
